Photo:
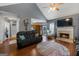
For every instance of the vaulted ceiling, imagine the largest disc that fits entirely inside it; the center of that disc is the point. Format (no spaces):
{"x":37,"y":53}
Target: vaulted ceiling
{"x":65,"y":10}
{"x":6,"y":4}
{"x":24,"y":10}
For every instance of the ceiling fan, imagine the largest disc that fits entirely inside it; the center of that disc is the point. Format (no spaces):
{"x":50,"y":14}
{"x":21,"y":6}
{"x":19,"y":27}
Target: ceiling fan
{"x":54,"y":6}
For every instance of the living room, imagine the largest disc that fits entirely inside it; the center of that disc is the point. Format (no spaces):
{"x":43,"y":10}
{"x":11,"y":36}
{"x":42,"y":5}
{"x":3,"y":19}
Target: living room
{"x":39,"y":29}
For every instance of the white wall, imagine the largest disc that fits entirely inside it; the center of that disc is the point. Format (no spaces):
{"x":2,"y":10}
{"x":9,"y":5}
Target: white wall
{"x":2,"y":28}
{"x":21,"y":24}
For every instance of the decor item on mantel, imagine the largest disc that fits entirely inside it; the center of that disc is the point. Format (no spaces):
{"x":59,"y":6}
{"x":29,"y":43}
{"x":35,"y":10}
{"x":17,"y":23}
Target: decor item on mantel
{"x":25,"y":21}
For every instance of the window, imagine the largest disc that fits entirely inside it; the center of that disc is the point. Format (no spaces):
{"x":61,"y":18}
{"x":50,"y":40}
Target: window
{"x":51,"y":28}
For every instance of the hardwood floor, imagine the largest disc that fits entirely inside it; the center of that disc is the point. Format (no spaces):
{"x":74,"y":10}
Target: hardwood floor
{"x":71,"y":47}
{"x":29,"y":50}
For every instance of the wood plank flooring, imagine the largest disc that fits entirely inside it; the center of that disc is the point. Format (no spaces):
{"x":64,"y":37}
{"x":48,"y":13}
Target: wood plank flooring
{"x":27,"y":51}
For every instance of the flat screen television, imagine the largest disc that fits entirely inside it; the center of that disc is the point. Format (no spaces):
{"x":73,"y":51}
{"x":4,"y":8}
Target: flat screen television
{"x":65,"y":22}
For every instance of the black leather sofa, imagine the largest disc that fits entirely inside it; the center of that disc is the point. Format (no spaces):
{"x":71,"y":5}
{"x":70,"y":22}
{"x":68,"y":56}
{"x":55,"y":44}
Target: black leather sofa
{"x":25,"y":38}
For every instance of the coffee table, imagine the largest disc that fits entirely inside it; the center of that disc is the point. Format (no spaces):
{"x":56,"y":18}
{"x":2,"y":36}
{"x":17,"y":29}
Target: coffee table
{"x":50,"y":48}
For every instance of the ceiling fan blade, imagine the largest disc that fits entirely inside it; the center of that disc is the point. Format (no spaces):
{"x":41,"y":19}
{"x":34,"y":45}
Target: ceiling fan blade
{"x":55,"y":4}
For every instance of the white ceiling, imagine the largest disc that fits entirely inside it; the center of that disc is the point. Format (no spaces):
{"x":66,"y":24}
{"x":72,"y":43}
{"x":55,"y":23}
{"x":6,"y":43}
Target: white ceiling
{"x":6,"y":4}
{"x":65,"y":10}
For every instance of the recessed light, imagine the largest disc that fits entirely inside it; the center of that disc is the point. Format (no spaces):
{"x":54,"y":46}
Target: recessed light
{"x":67,"y":19}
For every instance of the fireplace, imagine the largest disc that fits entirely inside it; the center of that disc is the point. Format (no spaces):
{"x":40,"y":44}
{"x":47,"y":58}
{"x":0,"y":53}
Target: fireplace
{"x":65,"y":32}
{"x":64,"y":35}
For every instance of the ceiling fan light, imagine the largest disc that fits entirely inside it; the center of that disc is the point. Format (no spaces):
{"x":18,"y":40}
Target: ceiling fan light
{"x":55,"y":8}
{"x":50,"y":8}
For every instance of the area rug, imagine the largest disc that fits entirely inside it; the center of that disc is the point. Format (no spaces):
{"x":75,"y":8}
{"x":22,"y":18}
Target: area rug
{"x":49,"y":48}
